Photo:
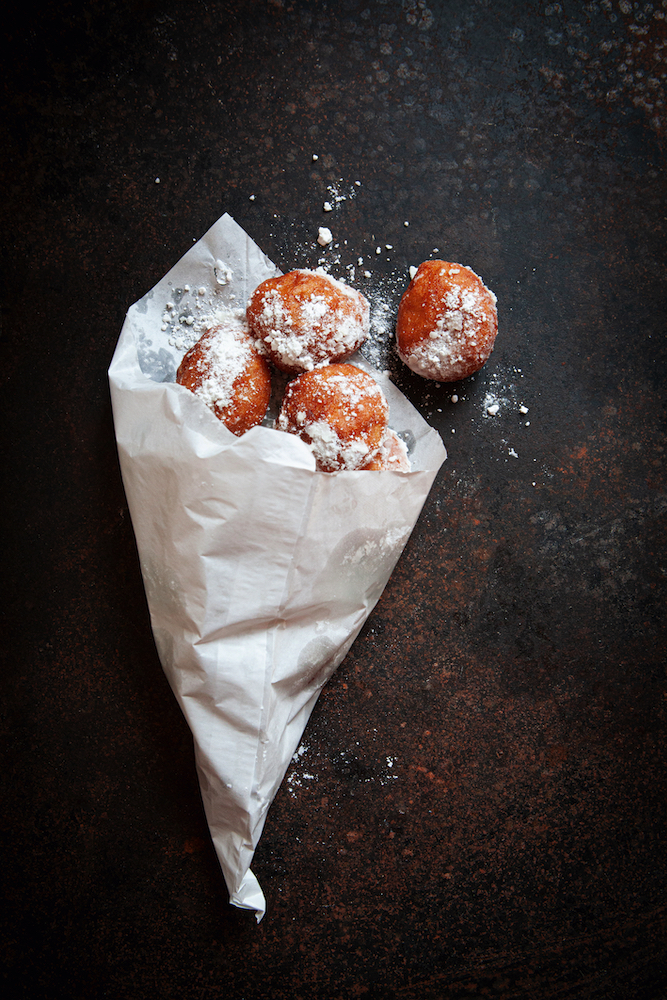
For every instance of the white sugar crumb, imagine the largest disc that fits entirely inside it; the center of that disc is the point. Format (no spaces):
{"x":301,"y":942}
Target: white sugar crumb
{"x":223,"y":273}
{"x":327,"y":206}
{"x":512,"y":453}
{"x":324,"y":236}
{"x":413,"y":271}
{"x":523,"y":409}
{"x":493,"y":409}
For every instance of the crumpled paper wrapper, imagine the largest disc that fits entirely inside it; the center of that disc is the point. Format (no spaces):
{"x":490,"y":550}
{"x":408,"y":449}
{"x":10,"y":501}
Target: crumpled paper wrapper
{"x":259,"y":571}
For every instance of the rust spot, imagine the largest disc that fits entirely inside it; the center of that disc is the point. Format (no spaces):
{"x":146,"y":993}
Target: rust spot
{"x":193,"y":844}
{"x":556,"y":754}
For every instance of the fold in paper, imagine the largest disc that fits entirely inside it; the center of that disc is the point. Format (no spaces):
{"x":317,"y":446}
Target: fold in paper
{"x":259,"y":571}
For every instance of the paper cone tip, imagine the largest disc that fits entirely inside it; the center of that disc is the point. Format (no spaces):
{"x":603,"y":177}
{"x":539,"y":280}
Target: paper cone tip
{"x":249,"y":896}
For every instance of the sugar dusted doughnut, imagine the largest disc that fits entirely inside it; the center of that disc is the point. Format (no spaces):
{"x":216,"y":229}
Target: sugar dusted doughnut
{"x":307,"y":318}
{"x":392,"y":456}
{"x":447,"y":322}
{"x":340,"y":411}
{"x":225,"y":369}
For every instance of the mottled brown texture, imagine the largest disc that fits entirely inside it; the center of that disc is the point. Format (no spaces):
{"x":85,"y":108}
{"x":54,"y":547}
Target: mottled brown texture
{"x":479,"y":808}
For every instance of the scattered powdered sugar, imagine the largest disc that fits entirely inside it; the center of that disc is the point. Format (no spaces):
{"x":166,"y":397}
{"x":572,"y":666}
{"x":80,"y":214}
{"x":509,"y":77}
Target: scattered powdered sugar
{"x":306,"y":766}
{"x":188,"y":327}
{"x":384,"y":297}
{"x":294,"y":780}
{"x":501,"y":400}
{"x":501,"y":392}
{"x":373,"y":548}
{"x":189,"y":313}
{"x":339,"y":192}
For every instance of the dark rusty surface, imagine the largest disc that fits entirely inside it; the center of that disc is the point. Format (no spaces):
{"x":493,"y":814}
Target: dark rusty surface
{"x":479,"y":807}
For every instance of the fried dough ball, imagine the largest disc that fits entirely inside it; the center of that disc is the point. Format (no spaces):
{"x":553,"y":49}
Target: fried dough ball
{"x":226,"y":371}
{"x":447,"y":322}
{"x":307,"y":318}
{"x":340,"y":411}
{"x":392,"y":456}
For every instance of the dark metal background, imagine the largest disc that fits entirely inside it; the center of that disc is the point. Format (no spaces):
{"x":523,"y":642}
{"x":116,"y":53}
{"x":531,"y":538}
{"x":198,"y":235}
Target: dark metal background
{"x":479,"y":809}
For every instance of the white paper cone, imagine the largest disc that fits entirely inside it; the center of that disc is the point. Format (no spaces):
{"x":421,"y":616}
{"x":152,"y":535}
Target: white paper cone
{"x":259,"y":571}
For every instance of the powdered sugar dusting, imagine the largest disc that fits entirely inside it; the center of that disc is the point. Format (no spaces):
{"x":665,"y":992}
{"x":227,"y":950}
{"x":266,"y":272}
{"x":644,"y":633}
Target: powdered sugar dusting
{"x":384,"y":296}
{"x":226,"y":353}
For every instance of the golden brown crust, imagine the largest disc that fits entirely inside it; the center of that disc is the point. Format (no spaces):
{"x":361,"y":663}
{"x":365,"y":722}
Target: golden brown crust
{"x":340,"y":411}
{"x":306,"y":318}
{"x":447,"y":322}
{"x":225,"y":369}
